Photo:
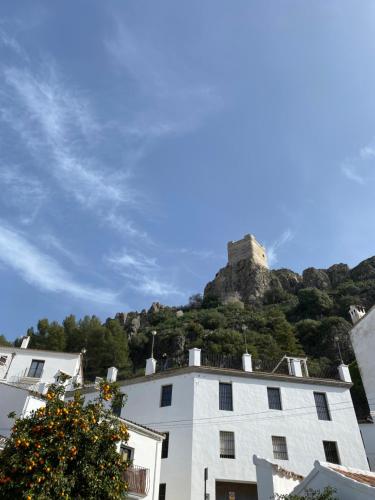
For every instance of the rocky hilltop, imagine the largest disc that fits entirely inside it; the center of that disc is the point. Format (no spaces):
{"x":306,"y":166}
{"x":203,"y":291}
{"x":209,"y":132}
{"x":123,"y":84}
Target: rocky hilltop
{"x":250,"y":282}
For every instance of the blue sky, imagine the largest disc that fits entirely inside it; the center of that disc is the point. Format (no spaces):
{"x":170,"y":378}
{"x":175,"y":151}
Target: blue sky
{"x":138,"y":137}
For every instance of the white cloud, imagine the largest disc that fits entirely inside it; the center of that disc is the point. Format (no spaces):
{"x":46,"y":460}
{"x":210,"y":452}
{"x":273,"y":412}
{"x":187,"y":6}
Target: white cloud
{"x":57,"y":125}
{"x":22,"y":191}
{"x":142,"y":273}
{"x":351,"y":172}
{"x":272,"y":250}
{"x":40,"y":270}
{"x":360,"y":168}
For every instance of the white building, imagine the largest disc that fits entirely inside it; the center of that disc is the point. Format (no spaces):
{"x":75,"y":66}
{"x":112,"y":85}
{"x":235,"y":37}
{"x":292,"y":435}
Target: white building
{"x":144,"y":450}
{"x":362,"y":336}
{"x":217,"y":419}
{"x":348,"y":483}
{"x":34,"y":368}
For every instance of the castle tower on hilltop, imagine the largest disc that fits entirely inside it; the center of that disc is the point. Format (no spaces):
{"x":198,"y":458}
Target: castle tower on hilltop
{"x":247,"y":249}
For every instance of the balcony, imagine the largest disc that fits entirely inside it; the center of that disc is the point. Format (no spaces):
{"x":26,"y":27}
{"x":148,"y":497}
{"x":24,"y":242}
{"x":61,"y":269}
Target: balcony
{"x":138,"y":480}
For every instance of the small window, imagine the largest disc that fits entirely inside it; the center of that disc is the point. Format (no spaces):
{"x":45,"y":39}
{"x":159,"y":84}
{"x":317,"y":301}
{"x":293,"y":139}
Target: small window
{"x":225,"y":397}
{"x":274,"y":398}
{"x":36,"y":368}
{"x":322,"y":406}
{"x":3,"y":360}
{"x":280,"y":450}
{"x":227,"y":444}
{"x":162,"y":491}
{"x":126,"y":453}
{"x":165,"y":446}
{"x":331,"y":452}
{"x":166,"y":395}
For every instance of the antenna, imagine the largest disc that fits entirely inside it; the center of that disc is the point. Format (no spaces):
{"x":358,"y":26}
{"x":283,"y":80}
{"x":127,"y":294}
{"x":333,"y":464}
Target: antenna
{"x":153,"y":333}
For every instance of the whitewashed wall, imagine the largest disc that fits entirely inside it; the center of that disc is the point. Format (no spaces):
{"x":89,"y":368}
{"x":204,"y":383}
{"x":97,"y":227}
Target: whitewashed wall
{"x":192,"y":447}
{"x":17,"y":400}
{"x":20,"y":362}
{"x":147,"y":454}
{"x":368,"y":435}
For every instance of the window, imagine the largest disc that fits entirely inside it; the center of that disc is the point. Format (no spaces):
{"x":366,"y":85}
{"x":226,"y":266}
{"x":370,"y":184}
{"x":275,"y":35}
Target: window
{"x":226,"y":444}
{"x":162,"y":491}
{"x":126,"y":453}
{"x":36,"y":368}
{"x":166,"y":395}
{"x":279,"y":448}
{"x":225,"y":397}
{"x":118,"y":404}
{"x":3,"y":360}
{"x":322,"y":406}
{"x":331,"y":452}
{"x":165,"y":446}
{"x":274,"y":398}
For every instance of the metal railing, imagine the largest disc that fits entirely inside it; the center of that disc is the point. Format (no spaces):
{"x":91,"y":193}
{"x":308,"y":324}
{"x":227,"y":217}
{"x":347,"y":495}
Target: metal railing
{"x":169,"y":363}
{"x":138,"y":479}
{"x":221,"y":360}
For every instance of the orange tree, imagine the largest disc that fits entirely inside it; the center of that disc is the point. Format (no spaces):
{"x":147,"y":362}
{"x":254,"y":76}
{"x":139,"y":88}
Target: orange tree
{"x":66,"y":449}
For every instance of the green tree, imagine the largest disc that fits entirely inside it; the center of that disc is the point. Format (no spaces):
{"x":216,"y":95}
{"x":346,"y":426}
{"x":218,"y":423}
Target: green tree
{"x":65,"y":450}
{"x":314,"y":303}
{"x":327,"y":494}
{"x":4,"y":342}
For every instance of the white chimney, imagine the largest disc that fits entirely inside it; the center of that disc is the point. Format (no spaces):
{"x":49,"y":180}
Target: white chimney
{"x":25,"y":342}
{"x":150,"y":366}
{"x":194,"y":357}
{"x":247,"y":364}
{"x":112,"y":374}
{"x":356,"y":313}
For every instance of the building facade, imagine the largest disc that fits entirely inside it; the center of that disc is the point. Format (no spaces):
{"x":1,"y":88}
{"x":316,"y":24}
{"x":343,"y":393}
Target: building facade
{"x":34,"y":368}
{"x":362,"y":337}
{"x":216,"y":419}
{"x":248,"y":248}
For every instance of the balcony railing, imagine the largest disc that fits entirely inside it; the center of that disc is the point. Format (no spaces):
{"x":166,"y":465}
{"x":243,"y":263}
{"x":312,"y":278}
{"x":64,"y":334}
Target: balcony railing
{"x":137,"y":479}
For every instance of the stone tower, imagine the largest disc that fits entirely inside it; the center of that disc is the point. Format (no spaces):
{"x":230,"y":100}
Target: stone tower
{"x":247,"y":249}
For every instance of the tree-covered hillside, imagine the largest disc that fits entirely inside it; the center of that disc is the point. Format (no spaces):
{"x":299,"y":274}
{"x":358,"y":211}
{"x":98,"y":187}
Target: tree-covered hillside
{"x":290,"y":318}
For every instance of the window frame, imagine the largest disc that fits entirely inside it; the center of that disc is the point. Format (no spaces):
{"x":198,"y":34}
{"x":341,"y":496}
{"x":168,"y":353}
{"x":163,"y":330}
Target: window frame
{"x":223,"y":400}
{"x":130,"y":450}
{"x":163,"y":401}
{"x":322,"y":411}
{"x":278,"y":452}
{"x":280,"y":403}
{"x":222,"y":436}
{"x":165,"y":446}
{"x":36,"y":372}
{"x":329,"y":451}
{"x":162,"y":491}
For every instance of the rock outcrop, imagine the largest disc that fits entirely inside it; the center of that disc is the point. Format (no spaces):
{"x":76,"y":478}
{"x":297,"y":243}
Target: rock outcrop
{"x":315,"y":278}
{"x":244,"y":281}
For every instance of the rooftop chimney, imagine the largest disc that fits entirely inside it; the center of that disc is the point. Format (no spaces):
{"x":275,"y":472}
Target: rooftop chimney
{"x":25,"y":342}
{"x":356,"y":313}
{"x":112,"y":374}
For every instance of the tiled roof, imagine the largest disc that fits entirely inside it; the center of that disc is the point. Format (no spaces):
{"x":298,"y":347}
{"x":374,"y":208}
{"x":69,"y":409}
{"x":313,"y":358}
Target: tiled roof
{"x":363,"y":477}
{"x":143,"y":426}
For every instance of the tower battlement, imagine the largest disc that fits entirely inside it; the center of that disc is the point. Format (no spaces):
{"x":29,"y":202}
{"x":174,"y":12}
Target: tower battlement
{"x":247,"y":249}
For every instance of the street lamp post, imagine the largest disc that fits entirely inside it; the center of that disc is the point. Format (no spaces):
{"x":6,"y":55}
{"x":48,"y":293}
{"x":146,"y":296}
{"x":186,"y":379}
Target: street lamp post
{"x":153,"y":341}
{"x":244,"y":329}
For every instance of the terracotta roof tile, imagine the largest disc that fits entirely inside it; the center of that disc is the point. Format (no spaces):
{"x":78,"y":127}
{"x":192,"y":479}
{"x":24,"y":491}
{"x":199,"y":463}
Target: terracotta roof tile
{"x":363,"y":478}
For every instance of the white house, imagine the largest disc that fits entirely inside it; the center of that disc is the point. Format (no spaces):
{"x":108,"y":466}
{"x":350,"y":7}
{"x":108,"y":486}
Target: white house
{"x":34,"y":368}
{"x":144,"y":450}
{"x":348,"y":483}
{"x":362,"y":336}
{"x":215,"y":419}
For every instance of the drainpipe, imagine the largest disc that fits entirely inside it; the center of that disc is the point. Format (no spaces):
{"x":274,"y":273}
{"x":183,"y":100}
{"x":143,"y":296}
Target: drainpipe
{"x":155,"y":464}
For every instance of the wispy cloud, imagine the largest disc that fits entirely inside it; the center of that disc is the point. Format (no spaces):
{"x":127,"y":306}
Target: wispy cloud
{"x":11,"y":43}
{"x":40,"y":270}
{"x":57,"y":124}
{"x":272,"y":250}
{"x":360,"y":168}
{"x":22,"y":192}
{"x":143,"y":274}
